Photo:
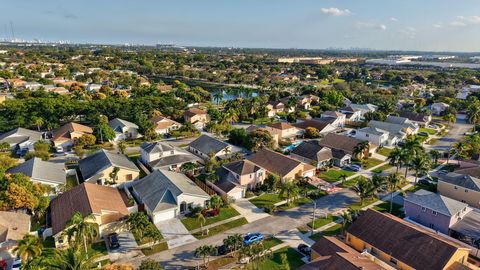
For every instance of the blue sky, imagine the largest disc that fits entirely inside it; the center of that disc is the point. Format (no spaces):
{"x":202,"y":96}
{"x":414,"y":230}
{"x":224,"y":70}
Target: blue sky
{"x":438,"y":25}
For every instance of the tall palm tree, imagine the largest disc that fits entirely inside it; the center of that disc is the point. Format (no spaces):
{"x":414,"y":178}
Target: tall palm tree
{"x":201,"y":219}
{"x":395,"y":158}
{"x":473,"y":112}
{"x":360,"y":149}
{"x":28,"y":248}
{"x":420,"y":164}
{"x":435,"y":154}
{"x":346,"y":219}
{"x":188,"y":168}
{"x":216,"y":202}
{"x":462,"y":150}
{"x":205,"y":252}
{"x":364,"y":189}
{"x":289,"y":190}
{"x":81,"y":230}
{"x":450,"y":118}
{"x":72,"y":259}
{"x":38,"y":122}
{"x":218,"y":96}
{"x":394,"y":183}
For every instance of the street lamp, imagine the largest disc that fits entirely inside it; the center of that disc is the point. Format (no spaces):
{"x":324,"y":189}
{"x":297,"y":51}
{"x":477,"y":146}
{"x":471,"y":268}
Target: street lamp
{"x":313,"y":223}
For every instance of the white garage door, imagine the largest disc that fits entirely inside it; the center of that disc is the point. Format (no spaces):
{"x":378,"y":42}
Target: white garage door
{"x":157,"y":217}
{"x":236,"y":193}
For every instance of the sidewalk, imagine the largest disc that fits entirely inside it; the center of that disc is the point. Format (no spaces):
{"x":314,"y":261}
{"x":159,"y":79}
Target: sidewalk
{"x":205,"y":228}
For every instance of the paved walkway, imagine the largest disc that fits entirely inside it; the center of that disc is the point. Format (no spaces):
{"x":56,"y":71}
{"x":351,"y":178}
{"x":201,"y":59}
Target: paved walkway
{"x":248,"y":210}
{"x":175,"y":232}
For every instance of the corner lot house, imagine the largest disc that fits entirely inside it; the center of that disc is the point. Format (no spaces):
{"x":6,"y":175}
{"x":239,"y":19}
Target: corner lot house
{"x":42,"y":172}
{"x":21,"y":139}
{"x":198,"y":117}
{"x":166,"y":194}
{"x":275,"y":107}
{"x":66,"y":135}
{"x":461,"y":187}
{"x":205,"y":145}
{"x":13,"y":226}
{"x":164,"y":125}
{"x":97,"y":167}
{"x":123,"y":129}
{"x":105,"y":203}
{"x":281,"y":165}
{"x":236,"y":177}
{"x":161,"y":155}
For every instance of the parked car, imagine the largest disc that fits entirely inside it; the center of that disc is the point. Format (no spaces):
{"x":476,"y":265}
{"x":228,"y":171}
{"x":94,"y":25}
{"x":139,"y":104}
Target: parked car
{"x":222,"y":250}
{"x":423,"y":133}
{"x":424,"y":182}
{"x":354,"y":167}
{"x":113,"y":241}
{"x":304,"y":249}
{"x":251,"y":238}
{"x":17,"y":264}
{"x":443,"y":172}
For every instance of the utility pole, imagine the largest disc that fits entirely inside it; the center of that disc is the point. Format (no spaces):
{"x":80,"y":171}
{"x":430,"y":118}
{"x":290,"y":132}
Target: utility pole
{"x":313,"y":222}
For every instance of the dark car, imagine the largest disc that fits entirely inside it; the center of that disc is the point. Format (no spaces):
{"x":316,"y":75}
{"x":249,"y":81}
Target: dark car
{"x":424,"y":182}
{"x":304,"y":249}
{"x":251,"y":238}
{"x":113,"y":241}
{"x":423,"y":133}
{"x":222,"y":250}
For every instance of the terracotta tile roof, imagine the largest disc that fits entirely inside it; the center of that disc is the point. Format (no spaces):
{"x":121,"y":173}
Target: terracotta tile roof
{"x":87,"y":199}
{"x":161,"y":122}
{"x":65,"y":130}
{"x":406,"y":242}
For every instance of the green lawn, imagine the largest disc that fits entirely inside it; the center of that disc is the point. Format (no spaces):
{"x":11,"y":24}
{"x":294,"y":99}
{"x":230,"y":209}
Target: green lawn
{"x":98,"y":248}
{"x":192,"y":223}
{"x":271,"y":242}
{"x":155,"y":248}
{"x":221,"y":228}
{"x":334,"y":175}
{"x":385,"y":151}
{"x":334,"y":230}
{"x":382,"y":168}
{"x":297,"y":202}
{"x":385,"y":207}
{"x":71,"y":181}
{"x":358,"y":206}
{"x":294,"y":259}
{"x":266,"y":200}
{"x":319,"y":222}
{"x":428,"y":130}
{"x":432,"y":141}
{"x":350,"y":182}
{"x":432,"y":188}
{"x":369,"y":163}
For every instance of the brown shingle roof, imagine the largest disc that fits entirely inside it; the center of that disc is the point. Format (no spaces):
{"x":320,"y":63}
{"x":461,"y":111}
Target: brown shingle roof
{"x":339,"y":142}
{"x":274,"y":162}
{"x":194,"y":111}
{"x":404,"y":241}
{"x":280,"y":125}
{"x":87,"y":199}
{"x":319,"y":125}
{"x":65,"y":130}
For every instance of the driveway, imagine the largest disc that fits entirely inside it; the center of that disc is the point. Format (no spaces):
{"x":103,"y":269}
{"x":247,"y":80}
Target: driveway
{"x":455,"y":134}
{"x":248,"y":210}
{"x":128,"y":248}
{"x":175,"y":232}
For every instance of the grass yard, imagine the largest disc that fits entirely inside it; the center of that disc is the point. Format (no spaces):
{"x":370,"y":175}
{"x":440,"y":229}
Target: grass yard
{"x":358,"y":206}
{"x":432,"y":141}
{"x":369,"y":163}
{"x":98,"y":248}
{"x":218,"y":263}
{"x":432,"y":188}
{"x":334,"y":230}
{"x":266,"y":200}
{"x":221,"y":228}
{"x":430,"y":131}
{"x":382,"y":168}
{"x":385,"y":151}
{"x":294,"y":260}
{"x":271,"y":242}
{"x":319,"y":222}
{"x":297,"y":202}
{"x":333,"y":175}
{"x":385,"y":207}
{"x":144,"y":240}
{"x":192,"y":223}
{"x":155,"y":248}
{"x":350,"y":182}
{"x":71,"y":181}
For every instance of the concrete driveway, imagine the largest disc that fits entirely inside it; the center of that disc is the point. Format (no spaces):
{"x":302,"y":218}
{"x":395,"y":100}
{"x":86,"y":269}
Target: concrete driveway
{"x":175,"y":232}
{"x":455,"y":134}
{"x":128,"y":248}
{"x":248,"y":210}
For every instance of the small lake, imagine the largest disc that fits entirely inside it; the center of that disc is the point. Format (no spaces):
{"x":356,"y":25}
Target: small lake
{"x":229,"y":95}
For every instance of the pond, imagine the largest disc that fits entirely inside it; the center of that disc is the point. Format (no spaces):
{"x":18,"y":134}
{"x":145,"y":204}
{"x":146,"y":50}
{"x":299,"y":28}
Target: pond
{"x":232,"y":94}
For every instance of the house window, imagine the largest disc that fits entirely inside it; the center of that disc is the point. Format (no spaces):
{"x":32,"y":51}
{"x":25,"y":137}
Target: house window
{"x":455,"y":187}
{"x":434,"y":213}
{"x":374,"y":251}
{"x":393,"y":261}
{"x":128,"y":177}
{"x":431,"y":225}
{"x":424,"y":209}
{"x":367,"y":135}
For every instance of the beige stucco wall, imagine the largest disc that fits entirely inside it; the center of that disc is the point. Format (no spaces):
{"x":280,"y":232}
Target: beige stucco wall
{"x":122,"y":175}
{"x":471,"y":197}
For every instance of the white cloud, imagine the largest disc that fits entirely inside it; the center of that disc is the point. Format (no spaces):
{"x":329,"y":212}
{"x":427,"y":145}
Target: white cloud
{"x":393,"y":19}
{"x":333,"y":11}
{"x":465,"y":21}
{"x":368,"y":25}
{"x":409,"y":32}
{"x":437,"y":25}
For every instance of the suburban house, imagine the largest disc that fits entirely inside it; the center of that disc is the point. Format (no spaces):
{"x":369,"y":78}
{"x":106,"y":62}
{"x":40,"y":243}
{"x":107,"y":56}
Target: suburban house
{"x":376,"y":136}
{"x":164,"y":125}
{"x":21,"y":139}
{"x":438,"y":108}
{"x":312,"y":153}
{"x":403,"y":245}
{"x":461,"y":187}
{"x":107,"y":204}
{"x":66,"y":135}
{"x":331,"y":253}
{"x":284,"y":130}
{"x":166,"y":194}
{"x":338,"y":118}
{"x":281,"y":165}
{"x":13,"y":227}
{"x":403,"y":121}
{"x":205,"y":145}
{"x":197,"y":117}
{"x":421,"y":119}
{"x":397,"y":132}
{"x":161,"y":155}
{"x":123,"y":129}
{"x":236,"y":177}
{"x":343,"y":143}
{"x":471,"y":171}
{"x":42,"y":172}
{"x":275,"y":107}
{"x":99,"y":166}
{"x":351,"y":114}
{"x":323,"y":127}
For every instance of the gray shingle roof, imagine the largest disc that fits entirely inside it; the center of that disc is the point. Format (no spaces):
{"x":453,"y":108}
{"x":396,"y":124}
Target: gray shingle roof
{"x":312,"y":150}
{"x":242,"y":167}
{"x":102,"y":160}
{"x":43,"y":171}
{"x":436,"y":202}
{"x":373,"y":130}
{"x":159,"y":190}
{"x":20,"y":135}
{"x":462,"y":180}
{"x":117,"y":122}
{"x":394,"y":129}
{"x":156,"y":147}
{"x":172,"y":160}
{"x":207,"y":144}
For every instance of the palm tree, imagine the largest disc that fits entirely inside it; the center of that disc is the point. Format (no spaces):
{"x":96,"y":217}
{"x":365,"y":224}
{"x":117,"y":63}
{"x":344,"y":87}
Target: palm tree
{"x":28,"y":248}
{"x":72,"y":259}
{"x":379,"y":182}
{"x":473,"y":112}
{"x":201,"y":219}
{"x":122,"y":146}
{"x":420,"y":164}
{"x":395,"y":157}
{"x":188,"y":168}
{"x":205,"y":252}
{"x":346,"y":219}
{"x":394,"y":183}
{"x":289,"y":190}
{"x":38,"y":122}
{"x":360,"y":149}
{"x":450,"y":118}
{"x":233,"y":242}
{"x":218,"y":96}
{"x":216,"y":202}
{"x":343,"y":178}
{"x":435,"y":154}
{"x":462,"y":150}
{"x":364,"y":189}
{"x":81,"y":230}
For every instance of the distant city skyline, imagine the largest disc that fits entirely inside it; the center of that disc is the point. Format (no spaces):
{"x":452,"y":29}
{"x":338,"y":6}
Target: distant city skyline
{"x":427,"y":25}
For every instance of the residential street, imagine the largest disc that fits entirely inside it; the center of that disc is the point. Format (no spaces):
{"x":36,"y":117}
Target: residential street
{"x":455,"y":133}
